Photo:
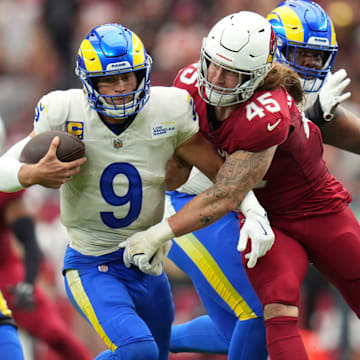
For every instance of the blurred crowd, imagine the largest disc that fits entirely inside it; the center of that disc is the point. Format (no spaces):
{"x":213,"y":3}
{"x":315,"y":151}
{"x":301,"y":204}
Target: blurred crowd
{"x":38,"y":45}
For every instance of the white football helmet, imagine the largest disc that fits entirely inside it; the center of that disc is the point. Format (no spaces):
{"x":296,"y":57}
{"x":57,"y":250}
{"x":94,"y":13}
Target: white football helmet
{"x":244,"y":43}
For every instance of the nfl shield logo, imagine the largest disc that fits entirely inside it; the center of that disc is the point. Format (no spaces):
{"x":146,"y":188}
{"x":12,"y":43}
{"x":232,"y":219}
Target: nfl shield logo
{"x":103,"y":268}
{"x":117,"y":143}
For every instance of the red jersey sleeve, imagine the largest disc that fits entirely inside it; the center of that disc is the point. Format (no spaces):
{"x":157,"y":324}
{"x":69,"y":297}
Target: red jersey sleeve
{"x":186,"y":79}
{"x":268,"y":119}
{"x":259,"y":123}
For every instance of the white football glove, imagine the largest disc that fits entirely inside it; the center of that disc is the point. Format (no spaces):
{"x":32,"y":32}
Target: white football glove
{"x":331,"y":93}
{"x":155,"y":267}
{"x":258,"y":229}
{"x":144,"y":247}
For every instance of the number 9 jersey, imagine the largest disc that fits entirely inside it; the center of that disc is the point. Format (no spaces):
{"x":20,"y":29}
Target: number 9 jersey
{"x":120,"y":188}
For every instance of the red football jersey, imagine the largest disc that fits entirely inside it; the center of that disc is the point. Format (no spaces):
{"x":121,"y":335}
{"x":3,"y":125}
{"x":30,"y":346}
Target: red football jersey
{"x":298,"y":181}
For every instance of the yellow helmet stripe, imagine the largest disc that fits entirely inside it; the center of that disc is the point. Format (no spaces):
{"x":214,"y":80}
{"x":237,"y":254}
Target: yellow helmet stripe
{"x":272,"y":16}
{"x":4,"y":310}
{"x":91,"y":58}
{"x":138,"y":51}
{"x":333,"y":35}
{"x":293,"y":28}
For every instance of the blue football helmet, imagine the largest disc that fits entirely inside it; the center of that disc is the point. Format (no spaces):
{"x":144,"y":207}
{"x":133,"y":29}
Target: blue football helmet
{"x":304,"y":25}
{"x":112,"y":49}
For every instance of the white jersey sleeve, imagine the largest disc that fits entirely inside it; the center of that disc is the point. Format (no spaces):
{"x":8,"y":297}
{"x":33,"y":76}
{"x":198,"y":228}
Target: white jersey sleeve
{"x":52,"y":110}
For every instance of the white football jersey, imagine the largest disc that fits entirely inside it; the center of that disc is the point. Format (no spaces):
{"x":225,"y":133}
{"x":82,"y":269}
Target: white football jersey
{"x":121,"y":187}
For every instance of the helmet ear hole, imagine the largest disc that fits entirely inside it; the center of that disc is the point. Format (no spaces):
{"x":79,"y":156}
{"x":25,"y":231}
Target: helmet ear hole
{"x":94,"y":81}
{"x":140,"y":75}
{"x":243,"y":78}
{"x":326,"y":57}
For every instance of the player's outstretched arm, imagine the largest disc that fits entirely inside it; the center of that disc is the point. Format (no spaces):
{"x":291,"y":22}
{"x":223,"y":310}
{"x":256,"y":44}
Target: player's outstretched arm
{"x":238,"y":175}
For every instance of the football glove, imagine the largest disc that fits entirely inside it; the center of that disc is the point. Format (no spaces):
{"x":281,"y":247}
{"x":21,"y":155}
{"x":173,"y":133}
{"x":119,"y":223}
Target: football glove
{"x":258,"y":229}
{"x":155,"y":266}
{"x":331,"y":94}
{"x":23,"y":296}
{"x":143,"y":247}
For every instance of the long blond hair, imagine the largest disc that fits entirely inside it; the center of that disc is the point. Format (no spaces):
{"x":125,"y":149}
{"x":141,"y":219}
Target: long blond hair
{"x":281,"y":75}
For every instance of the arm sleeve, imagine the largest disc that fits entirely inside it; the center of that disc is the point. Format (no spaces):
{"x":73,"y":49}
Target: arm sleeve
{"x":24,"y":230}
{"x":10,"y":166}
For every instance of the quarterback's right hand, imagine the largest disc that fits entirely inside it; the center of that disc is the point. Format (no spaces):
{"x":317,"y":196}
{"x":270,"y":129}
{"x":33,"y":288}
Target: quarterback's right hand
{"x":258,"y":229}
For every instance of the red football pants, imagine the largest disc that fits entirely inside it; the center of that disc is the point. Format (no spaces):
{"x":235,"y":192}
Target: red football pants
{"x":331,"y":242}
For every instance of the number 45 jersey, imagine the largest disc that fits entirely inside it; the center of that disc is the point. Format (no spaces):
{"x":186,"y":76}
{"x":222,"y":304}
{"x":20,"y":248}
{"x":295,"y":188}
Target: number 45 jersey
{"x":121,"y":187}
{"x":298,"y":181}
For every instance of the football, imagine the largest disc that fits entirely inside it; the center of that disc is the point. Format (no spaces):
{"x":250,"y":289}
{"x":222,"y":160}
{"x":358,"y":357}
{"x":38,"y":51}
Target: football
{"x":70,"y":147}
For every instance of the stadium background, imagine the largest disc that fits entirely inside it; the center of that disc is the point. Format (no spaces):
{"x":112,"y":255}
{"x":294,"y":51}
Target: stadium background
{"x":38,"y":45}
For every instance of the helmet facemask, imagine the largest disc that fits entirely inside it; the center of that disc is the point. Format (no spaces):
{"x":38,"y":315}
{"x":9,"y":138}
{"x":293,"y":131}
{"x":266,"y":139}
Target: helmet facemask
{"x":312,"y":79}
{"x":220,"y":96}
